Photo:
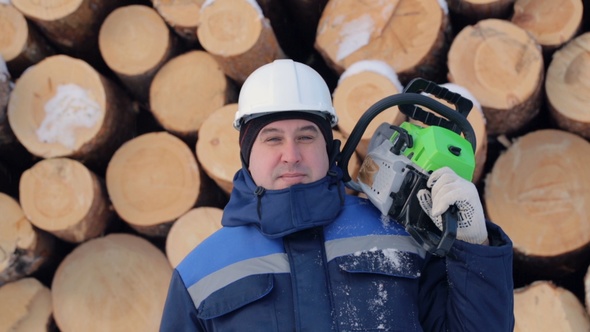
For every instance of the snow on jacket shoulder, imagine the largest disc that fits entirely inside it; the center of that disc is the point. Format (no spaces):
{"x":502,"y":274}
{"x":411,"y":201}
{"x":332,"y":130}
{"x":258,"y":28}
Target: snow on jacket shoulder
{"x":374,"y":275}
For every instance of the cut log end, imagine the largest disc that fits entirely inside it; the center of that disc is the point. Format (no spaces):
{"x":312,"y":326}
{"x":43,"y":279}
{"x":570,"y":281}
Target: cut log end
{"x":191,"y":229}
{"x":15,"y":32}
{"x":120,"y":282}
{"x":542,"y":306}
{"x":25,"y":305}
{"x":47,"y":11}
{"x":23,"y":249}
{"x":567,"y":86}
{"x":133,"y":40}
{"x":63,"y":197}
{"x":355,"y":93}
{"x":152,"y":180}
{"x":483,"y":57}
{"x":537,"y":193}
{"x":178,"y":98}
{"x":57,"y":106}
{"x":217,"y":148}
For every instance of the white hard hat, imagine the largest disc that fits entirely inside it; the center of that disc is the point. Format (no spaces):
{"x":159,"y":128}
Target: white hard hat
{"x":281,"y":86}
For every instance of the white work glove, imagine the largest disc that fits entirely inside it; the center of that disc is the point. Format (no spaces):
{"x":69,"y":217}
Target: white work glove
{"x":448,"y":188}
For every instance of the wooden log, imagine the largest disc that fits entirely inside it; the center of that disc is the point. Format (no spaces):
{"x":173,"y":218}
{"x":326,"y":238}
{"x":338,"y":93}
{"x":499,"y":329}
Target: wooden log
{"x":363,"y":84}
{"x":476,"y":10}
{"x":502,"y":66}
{"x":411,"y":35}
{"x":66,"y":199}
{"x":135,"y":43}
{"x":24,"y":248}
{"x":62,"y":107}
{"x":286,"y":28}
{"x":21,"y":45}
{"x":25,"y":306}
{"x":182,"y":16}
{"x":543,"y":306}
{"x":218,"y":149}
{"x":71,"y":25}
{"x":306,"y":17}
{"x":239,"y":36}
{"x":567,"y":88}
{"x":186,"y":90}
{"x":152,"y":180}
{"x":114,"y":283}
{"x":7,"y":137}
{"x":552,"y":23}
{"x":190,"y":230}
{"x":537,"y":192}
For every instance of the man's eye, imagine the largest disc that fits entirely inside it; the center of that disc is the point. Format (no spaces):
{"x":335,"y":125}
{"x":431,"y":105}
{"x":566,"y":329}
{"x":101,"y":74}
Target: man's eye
{"x":273,"y":139}
{"x":306,"y":138}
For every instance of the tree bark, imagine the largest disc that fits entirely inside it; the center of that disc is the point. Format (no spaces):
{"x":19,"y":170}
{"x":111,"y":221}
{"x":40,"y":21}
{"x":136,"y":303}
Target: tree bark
{"x":187,"y":90}
{"x":25,"y":306}
{"x":218,"y":149}
{"x":552,"y":23}
{"x":152,"y":180}
{"x":24,"y":248}
{"x":537,"y":192}
{"x":476,"y":10}
{"x":72,"y":25}
{"x":363,"y":84}
{"x":66,"y":199}
{"x":567,"y":87}
{"x":62,"y":107}
{"x":182,"y":16}
{"x":135,"y":43}
{"x":502,"y":66}
{"x":21,"y":45}
{"x":190,"y":230}
{"x":412,"y":36}
{"x":237,"y":34}
{"x":542,"y":306}
{"x":114,"y":283}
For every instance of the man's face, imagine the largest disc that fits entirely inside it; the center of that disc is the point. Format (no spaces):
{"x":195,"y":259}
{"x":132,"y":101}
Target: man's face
{"x":288,"y":152}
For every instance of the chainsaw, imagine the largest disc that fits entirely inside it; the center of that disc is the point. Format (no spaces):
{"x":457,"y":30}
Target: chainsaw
{"x":401,"y":158}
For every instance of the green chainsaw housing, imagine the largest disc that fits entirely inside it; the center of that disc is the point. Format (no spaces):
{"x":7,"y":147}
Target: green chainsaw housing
{"x":435,"y":147}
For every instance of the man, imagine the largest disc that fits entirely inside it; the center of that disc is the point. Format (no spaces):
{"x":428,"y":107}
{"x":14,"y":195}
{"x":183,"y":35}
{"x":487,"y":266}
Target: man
{"x":297,"y":254}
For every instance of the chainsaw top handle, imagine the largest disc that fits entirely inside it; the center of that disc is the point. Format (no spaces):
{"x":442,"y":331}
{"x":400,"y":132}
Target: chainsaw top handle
{"x":407,"y":102}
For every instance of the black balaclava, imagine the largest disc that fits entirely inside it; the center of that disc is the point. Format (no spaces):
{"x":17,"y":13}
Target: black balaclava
{"x":250,"y":130}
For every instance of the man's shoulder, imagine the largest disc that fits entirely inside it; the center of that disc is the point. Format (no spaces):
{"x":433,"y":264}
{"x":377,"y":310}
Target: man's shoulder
{"x":225,"y":247}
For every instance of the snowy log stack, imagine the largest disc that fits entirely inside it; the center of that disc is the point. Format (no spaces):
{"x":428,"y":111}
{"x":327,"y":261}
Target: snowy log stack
{"x":117,"y":151}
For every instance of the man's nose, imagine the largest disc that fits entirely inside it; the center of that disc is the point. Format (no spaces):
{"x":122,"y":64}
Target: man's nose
{"x":291,"y":152}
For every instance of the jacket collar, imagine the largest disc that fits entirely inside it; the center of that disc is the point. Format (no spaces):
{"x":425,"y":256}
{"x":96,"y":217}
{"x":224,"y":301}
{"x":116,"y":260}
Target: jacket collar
{"x":277,"y":213}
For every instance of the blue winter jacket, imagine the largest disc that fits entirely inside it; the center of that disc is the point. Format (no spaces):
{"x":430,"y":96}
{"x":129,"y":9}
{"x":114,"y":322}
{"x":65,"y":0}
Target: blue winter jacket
{"x":309,"y":258}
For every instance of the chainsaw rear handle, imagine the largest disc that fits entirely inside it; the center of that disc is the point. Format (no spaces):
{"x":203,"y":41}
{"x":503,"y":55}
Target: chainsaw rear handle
{"x":407,"y":98}
{"x":436,"y":244}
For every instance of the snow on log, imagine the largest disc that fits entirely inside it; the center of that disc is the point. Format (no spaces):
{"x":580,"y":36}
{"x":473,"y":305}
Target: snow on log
{"x":410,"y":35}
{"x":62,"y":107}
{"x":23,"y":248}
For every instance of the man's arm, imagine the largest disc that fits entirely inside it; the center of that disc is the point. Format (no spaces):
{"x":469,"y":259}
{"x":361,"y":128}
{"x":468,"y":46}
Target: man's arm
{"x":179,"y":313}
{"x":471,"y":289}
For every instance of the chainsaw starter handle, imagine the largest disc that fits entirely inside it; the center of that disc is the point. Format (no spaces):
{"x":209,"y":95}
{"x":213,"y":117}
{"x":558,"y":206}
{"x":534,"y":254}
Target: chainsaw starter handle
{"x":406,"y":98}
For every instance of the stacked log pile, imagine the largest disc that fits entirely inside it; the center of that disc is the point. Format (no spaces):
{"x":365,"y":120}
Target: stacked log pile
{"x":117,"y":151}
